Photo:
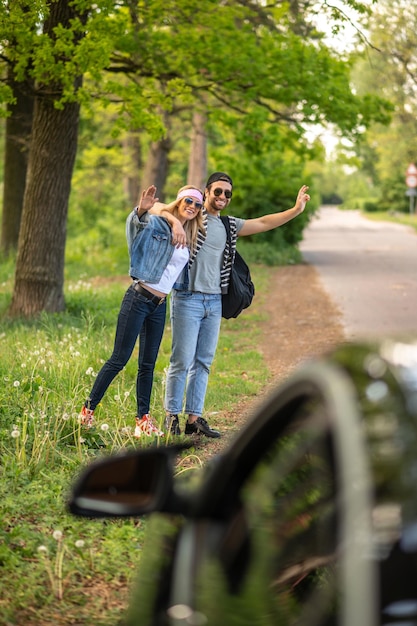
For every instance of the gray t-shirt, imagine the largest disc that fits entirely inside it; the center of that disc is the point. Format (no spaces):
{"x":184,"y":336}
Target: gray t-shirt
{"x":205,"y":271}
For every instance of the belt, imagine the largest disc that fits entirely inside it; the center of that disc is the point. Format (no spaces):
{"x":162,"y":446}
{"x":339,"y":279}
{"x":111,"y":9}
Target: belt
{"x":151,"y":296}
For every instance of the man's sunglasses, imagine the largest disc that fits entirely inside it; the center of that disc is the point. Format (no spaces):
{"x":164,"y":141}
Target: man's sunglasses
{"x":190,"y":201}
{"x":218,"y":192}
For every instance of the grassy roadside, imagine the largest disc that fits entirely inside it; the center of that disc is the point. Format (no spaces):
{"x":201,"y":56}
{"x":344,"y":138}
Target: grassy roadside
{"x":55,"y":568}
{"x":396,"y":218}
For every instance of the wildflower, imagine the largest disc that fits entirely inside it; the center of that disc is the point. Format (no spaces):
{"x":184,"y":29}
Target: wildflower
{"x":57,"y":534}
{"x":117,"y":398}
{"x":104,"y":427}
{"x":23,"y":365}
{"x":89,"y":371}
{"x":16,"y":383}
{"x":43,"y":549}
{"x":15,"y":433}
{"x":127,"y":394}
{"x":79,"y":543}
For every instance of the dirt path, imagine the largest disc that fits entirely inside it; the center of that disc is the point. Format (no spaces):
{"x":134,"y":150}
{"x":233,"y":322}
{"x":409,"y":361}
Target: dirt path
{"x":302,"y":323}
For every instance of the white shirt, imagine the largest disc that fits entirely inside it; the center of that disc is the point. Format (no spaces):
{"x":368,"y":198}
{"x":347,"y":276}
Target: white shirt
{"x":174,"y":268}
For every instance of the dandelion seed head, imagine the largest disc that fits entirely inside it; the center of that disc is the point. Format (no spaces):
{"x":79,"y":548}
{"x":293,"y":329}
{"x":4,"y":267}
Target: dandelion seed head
{"x":79,"y":543}
{"x":104,"y":427}
{"x":43,"y":549}
{"x":16,"y":383}
{"x":57,"y":535}
{"x":15,"y":433}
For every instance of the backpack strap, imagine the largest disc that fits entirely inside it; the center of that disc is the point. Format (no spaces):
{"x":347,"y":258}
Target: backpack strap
{"x":229,"y":223}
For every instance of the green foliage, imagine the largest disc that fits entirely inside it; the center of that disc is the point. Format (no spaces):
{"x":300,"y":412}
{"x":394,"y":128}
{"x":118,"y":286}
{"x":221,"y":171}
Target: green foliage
{"x":393,"y":196}
{"x":271,"y":253}
{"x":267,"y":181}
{"x":387,"y":67}
{"x":151,"y":58}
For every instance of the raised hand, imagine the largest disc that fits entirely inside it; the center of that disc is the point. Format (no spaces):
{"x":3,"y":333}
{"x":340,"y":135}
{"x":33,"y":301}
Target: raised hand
{"x":147,"y":199}
{"x":302,"y":198}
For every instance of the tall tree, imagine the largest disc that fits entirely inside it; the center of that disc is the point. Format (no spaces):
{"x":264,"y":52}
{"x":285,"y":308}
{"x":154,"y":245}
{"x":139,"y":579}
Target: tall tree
{"x":389,"y":68}
{"x":39,"y":275}
{"x":237,"y":58}
{"x":197,"y":164}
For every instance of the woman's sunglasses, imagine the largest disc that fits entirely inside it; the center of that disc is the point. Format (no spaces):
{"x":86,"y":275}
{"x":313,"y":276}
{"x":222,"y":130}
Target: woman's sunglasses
{"x":218,"y":192}
{"x":190,"y":201}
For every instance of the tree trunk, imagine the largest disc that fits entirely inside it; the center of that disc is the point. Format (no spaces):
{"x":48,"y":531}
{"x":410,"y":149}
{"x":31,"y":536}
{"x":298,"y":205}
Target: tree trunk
{"x":39,"y":276}
{"x":157,"y":166}
{"x":197,"y":166}
{"x":18,"y":129}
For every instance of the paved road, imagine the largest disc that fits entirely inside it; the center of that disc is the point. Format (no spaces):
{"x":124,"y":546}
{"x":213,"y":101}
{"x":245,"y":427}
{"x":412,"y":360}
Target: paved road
{"x":368,"y":268}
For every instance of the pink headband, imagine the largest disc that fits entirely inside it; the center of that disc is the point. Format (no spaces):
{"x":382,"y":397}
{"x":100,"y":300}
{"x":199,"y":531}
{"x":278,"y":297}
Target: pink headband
{"x":190,"y":193}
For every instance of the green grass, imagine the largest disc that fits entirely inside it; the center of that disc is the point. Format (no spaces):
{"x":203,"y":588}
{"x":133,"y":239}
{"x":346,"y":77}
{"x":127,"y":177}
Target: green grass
{"x":397,"y":218}
{"x":55,"y":568}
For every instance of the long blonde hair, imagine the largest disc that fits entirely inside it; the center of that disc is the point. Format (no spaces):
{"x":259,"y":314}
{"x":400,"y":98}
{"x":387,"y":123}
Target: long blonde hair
{"x":191,"y":227}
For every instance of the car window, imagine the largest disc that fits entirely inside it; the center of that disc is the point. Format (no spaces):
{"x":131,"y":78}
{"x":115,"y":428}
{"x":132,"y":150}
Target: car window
{"x":278,"y":555}
{"x":291,"y":507}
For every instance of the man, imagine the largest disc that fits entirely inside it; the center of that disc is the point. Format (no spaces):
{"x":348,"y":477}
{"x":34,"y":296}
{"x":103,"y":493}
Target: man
{"x":196,"y":306}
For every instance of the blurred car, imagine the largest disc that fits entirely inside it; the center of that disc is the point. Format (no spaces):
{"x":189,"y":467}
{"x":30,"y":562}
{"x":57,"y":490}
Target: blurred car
{"x":308,"y":518}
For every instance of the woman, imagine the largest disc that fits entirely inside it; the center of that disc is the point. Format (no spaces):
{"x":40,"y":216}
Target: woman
{"x":156,"y":260}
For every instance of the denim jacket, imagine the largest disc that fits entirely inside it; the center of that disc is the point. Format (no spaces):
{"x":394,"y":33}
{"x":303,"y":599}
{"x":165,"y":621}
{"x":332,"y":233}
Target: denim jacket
{"x":150,"y":247}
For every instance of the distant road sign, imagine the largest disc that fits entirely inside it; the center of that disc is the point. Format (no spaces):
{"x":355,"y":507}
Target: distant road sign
{"x":411,"y":180}
{"x":411,"y":170}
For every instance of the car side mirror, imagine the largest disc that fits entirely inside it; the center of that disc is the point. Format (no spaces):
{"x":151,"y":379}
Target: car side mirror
{"x":131,"y":484}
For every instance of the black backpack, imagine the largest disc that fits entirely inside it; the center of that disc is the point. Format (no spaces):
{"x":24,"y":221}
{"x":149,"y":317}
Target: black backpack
{"x":241,"y":288}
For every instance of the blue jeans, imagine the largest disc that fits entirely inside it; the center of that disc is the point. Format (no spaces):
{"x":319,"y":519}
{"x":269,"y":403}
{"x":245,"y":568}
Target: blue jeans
{"x":195,"y":320}
{"x":137,"y":316}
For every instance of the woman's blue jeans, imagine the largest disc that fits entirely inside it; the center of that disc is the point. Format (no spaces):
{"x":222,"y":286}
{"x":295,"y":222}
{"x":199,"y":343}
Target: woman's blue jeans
{"x":137,"y":316}
{"x":195,"y":321}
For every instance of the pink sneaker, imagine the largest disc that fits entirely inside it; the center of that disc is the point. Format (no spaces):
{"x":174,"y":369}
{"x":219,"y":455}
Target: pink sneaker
{"x":86,"y":417}
{"x":145,"y":426}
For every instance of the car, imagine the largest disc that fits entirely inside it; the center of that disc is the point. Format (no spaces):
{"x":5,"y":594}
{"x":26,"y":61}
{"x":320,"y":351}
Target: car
{"x":309,"y":517}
